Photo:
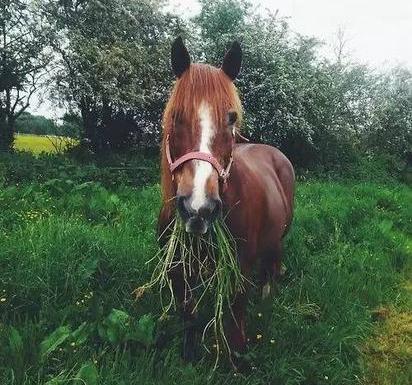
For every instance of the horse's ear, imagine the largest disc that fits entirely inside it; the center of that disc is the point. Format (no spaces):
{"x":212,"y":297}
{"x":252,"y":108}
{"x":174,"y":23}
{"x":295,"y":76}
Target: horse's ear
{"x":180,"y":57}
{"x":232,"y":61}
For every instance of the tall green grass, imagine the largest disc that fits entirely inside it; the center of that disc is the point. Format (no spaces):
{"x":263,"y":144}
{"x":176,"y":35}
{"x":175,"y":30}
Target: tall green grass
{"x":71,"y":253}
{"x":208,"y":263}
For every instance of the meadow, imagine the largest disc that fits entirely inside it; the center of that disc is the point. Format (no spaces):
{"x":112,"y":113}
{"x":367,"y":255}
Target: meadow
{"x":37,"y":144}
{"x":75,"y":239}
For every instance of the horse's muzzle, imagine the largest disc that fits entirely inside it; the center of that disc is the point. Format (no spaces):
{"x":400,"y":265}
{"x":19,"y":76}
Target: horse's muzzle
{"x":198,"y":221}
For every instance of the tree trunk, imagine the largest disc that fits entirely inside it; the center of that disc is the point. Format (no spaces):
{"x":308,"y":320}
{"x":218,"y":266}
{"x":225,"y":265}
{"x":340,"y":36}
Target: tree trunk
{"x":89,"y":117}
{"x":6,"y":134}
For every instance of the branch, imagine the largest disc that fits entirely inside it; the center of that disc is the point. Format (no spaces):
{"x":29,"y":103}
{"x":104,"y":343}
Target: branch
{"x":33,"y":89}
{"x":17,"y":39}
{"x":16,"y":23}
{"x":18,"y":100}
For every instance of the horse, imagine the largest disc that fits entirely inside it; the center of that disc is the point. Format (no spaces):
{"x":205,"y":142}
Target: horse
{"x":208,"y":169}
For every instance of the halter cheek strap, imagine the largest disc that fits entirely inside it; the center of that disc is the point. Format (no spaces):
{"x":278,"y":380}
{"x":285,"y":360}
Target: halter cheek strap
{"x":198,"y":155}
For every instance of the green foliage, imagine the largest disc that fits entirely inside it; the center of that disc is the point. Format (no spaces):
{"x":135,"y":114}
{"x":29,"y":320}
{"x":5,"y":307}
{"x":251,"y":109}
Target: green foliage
{"x":54,"y":340}
{"x":117,"y":76}
{"x":38,"y":125}
{"x":87,"y":374}
{"x":118,"y":327}
{"x":116,"y":79}
{"x":318,"y":112}
{"x":15,"y":342}
{"x":213,"y":257}
{"x":72,"y":125}
{"x":392,"y":115}
{"x":27,"y":123}
{"x":68,"y":273}
{"x":23,"y":58}
{"x":134,"y":169}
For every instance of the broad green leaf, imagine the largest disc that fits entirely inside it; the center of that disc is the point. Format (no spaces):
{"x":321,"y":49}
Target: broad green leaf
{"x":81,"y":334}
{"x":146,"y":327}
{"x":114,"y":326}
{"x":15,"y":341}
{"x":54,"y":340}
{"x":88,"y":268}
{"x":87,"y":375}
{"x":143,"y":330}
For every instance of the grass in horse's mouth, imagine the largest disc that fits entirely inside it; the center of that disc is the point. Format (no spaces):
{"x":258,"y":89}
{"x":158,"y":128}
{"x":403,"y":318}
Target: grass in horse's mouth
{"x":208,"y":265}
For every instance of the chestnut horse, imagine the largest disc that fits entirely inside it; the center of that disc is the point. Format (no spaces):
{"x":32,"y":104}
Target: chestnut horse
{"x":205,"y":172}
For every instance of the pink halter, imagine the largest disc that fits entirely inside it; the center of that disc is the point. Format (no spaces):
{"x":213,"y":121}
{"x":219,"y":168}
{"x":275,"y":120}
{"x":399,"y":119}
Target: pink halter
{"x":198,"y":155}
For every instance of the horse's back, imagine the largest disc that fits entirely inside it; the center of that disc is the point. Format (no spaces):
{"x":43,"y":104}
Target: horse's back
{"x":261,"y":187}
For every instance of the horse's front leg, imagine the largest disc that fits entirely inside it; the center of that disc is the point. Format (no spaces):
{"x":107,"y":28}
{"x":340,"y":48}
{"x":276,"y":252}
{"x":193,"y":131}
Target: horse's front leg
{"x":186,"y":304}
{"x":190,"y":333}
{"x":236,"y":324}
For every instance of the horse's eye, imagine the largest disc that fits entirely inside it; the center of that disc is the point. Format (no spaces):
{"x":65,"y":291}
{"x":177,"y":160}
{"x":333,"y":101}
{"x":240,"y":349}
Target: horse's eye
{"x":231,"y":118}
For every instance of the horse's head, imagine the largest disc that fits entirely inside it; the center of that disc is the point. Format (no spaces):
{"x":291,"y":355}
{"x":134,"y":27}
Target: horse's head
{"x":200,"y":120}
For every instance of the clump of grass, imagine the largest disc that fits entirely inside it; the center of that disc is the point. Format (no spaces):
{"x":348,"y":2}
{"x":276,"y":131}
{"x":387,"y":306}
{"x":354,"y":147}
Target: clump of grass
{"x":208,"y":265}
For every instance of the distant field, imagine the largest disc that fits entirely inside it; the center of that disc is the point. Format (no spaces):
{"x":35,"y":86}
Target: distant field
{"x":39,"y":143}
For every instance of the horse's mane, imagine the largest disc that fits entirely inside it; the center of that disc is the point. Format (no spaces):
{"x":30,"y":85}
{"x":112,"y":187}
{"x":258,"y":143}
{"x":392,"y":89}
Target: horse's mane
{"x":201,"y":82}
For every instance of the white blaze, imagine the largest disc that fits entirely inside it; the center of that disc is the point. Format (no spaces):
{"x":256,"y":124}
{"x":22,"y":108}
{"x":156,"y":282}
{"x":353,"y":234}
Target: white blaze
{"x":202,"y":169}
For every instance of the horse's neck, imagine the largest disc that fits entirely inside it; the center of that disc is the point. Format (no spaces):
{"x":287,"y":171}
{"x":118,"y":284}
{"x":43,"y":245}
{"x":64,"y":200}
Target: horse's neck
{"x":166,"y":182}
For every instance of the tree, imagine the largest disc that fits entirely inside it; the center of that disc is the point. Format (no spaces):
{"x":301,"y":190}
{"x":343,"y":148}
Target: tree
{"x":23,"y":59}
{"x":278,"y":77}
{"x":27,"y":123}
{"x":315,"y":110}
{"x":391,"y":123}
{"x":117,"y":76}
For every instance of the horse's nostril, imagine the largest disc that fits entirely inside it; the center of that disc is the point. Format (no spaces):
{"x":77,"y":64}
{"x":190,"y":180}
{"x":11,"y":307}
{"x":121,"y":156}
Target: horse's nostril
{"x":211,"y":209}
{"x":183,"y":207}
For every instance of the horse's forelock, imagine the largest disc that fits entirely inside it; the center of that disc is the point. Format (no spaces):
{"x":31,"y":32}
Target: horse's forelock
{"x":202,"y":83}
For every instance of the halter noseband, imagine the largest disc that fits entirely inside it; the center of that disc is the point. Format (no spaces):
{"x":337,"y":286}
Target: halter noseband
{"x":222,"y":172}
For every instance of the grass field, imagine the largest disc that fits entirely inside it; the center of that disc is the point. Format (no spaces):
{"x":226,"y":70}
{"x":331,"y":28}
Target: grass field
{"x":39,"y":143}
{"x":73,"y":249}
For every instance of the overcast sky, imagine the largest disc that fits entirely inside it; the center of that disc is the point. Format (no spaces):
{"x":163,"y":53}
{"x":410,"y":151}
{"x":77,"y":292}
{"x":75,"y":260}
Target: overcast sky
{"x":378,"y":32}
